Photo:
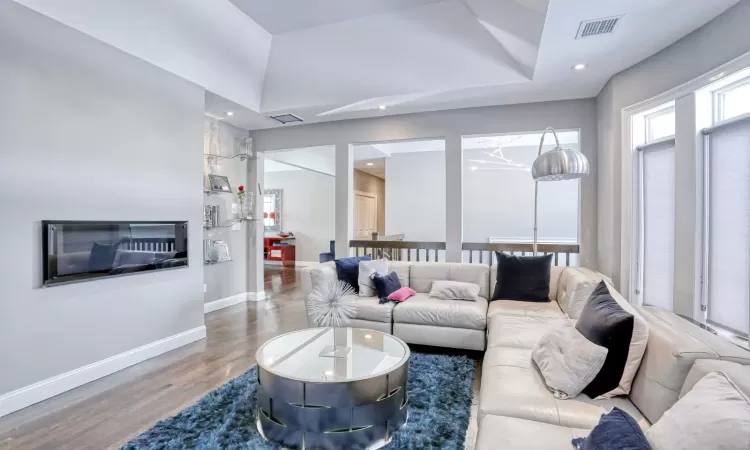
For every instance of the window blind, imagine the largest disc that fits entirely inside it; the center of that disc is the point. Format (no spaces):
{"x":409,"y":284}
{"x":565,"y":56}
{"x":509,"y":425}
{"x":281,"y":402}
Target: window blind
{"x":657,"y":209}
{"x":728,"y":235}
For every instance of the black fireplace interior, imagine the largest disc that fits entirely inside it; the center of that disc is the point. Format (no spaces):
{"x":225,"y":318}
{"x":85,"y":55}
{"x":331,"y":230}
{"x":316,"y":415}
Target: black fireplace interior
{"x":82,"y":251}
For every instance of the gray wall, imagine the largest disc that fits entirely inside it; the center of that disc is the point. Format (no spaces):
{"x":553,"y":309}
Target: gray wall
{"x":228,"y":279}
{"x":307,"y":209}
{"x":364,"y":182}
{"x":721,"y":40}
{"x":414,"y":195}
{"x":88,"y":132}
{"x":451,"y":124}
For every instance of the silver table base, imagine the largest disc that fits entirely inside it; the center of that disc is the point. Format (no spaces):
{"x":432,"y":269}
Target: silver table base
{"x":361,"y":414}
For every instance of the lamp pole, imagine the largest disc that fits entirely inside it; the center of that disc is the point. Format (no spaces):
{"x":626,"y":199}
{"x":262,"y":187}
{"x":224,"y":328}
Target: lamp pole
{"x":536,"y":183}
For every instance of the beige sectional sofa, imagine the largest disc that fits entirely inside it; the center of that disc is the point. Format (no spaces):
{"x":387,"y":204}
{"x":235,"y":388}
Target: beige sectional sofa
{"x":516,"y":410}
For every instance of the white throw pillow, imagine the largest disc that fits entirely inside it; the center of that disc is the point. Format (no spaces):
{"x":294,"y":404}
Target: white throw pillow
{"x":366,"y":270}
{"x":454,"y":290}
{"x":715,"y":414}
{"x":567,"y":360}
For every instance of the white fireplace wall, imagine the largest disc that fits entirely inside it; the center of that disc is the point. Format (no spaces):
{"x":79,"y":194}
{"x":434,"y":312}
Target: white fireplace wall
{"x":88,"y":132}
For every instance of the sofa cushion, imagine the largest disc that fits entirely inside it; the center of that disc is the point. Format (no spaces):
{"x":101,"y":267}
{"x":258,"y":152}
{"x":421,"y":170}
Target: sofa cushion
{"x":519,"y":331}
{"x":575,"y":287}
{"x":554,"y":279}
{"x":420,"y":309}
{"x":524,"y":278}
{"x":370,"y":308}
{"x":674,"y":345}
{"x":498,"y":432}
{"x":512,"y":387}
{"x":421,"y":275}
{"x":518,"y":308}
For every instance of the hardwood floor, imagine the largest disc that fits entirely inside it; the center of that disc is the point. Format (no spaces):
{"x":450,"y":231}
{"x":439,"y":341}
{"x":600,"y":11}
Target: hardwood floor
{"x":110,"y":411}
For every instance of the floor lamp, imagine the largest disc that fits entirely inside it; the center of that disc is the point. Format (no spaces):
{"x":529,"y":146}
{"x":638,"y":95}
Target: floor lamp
{"x":555,"y":165}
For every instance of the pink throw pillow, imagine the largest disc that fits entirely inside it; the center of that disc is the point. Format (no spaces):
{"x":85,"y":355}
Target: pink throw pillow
{"x":402,"y":294}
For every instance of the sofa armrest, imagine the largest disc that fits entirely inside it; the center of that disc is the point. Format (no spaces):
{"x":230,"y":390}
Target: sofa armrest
{"x":738,"y":373}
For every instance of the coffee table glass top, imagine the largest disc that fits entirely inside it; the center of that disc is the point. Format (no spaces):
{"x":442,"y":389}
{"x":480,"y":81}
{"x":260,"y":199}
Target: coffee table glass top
{"x":297,"y":355}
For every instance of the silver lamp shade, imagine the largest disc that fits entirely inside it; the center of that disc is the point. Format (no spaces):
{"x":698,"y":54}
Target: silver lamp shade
{"x":560,"y":164}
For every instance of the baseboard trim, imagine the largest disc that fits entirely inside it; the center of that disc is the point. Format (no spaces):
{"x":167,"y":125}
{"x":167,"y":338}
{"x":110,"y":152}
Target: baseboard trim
{"x":225,"y":302}
{"x":256,"y":296}
{"x":37,"y":392}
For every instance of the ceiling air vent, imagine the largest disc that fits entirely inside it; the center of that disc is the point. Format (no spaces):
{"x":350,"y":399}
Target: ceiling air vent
{"x":286,"y":118}
{"x":597,"y":27}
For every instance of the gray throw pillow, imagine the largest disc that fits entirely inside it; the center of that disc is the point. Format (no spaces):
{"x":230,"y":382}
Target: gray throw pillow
{"x":715,"y":414}
{"x":454,"y":290}
{"x":366,"y":271}
{"x":567,"y":360}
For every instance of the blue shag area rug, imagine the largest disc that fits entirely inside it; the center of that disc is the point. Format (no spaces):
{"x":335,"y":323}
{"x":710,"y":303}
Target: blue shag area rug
{"x":439,"y":388}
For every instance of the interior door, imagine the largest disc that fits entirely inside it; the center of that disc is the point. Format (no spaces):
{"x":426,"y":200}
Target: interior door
{"x":365,"y":215}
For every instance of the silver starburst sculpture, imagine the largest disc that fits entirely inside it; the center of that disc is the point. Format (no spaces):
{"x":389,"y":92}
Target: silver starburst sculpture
{"x":332,"y":304}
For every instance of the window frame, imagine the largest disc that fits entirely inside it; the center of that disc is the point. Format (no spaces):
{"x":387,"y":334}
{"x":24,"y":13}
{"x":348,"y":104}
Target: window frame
{"x":648,"y":118}
{"x":718,"y":96}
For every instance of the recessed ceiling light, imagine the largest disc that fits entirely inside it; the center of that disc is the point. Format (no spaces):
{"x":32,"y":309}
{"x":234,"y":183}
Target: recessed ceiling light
{"x":370,"y":164}
{"x":229,"y":113}
{"x":473,"y":168}
{"x":381,"y":106}
{"x":368,"y":336}
{"x":717,"y":76}
{"x":579,"y":67}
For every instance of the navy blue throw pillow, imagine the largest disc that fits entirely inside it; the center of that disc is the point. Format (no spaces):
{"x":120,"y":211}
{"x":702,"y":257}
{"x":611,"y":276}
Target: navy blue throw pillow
{"x":102,"y":256}
{"x":386,"y":285}
{"x":616,"y":430}
{"x":347,"y":270}
{"x":523,"y":278}
{"x":605,"y":323}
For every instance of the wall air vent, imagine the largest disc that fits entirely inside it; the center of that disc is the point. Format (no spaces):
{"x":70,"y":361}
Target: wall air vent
{"x":597,"y":27}
{"x":286,"y":118}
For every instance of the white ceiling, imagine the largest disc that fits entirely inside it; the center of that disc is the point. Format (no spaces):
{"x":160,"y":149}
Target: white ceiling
{"x":328,"y":60}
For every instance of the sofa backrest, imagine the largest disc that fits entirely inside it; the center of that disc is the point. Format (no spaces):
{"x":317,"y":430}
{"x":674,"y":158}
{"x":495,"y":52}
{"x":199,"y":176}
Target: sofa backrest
{"x":570,"y":280}
{"x":674,"y":344}
{"x":554,"y":280}
{"x":421,"y":275}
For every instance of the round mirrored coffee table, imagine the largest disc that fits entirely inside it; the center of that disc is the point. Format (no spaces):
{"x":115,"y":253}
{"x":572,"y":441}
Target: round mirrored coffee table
{"x":332,"y":388}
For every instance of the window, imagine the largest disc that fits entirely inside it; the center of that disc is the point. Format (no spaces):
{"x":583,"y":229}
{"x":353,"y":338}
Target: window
{"x":727,"y":226}
{"x":498,"y":193}
{"x":659,"y":124}
{"x":654,"y":130}
{"x":733,"y":100}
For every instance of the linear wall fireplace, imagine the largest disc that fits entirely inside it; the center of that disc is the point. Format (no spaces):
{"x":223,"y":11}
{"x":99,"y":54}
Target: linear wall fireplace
{"x":75,"y":251}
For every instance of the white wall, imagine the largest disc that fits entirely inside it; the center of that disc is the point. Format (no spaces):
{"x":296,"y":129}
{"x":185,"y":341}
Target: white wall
{"x":307,"y":209}
{"x":500,"y":203}
{"x":721,"y":40}
{"x":88,"y":132}
{"x":414,"y":196}
{"x":209,"y":42}
{"x":227,"y":279}
{"x":451,"y":125}
{"x":320,"y":159}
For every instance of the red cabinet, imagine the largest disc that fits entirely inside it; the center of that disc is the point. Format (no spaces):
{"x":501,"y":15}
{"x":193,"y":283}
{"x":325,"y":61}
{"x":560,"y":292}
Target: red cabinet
{"x":272,"y":251}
